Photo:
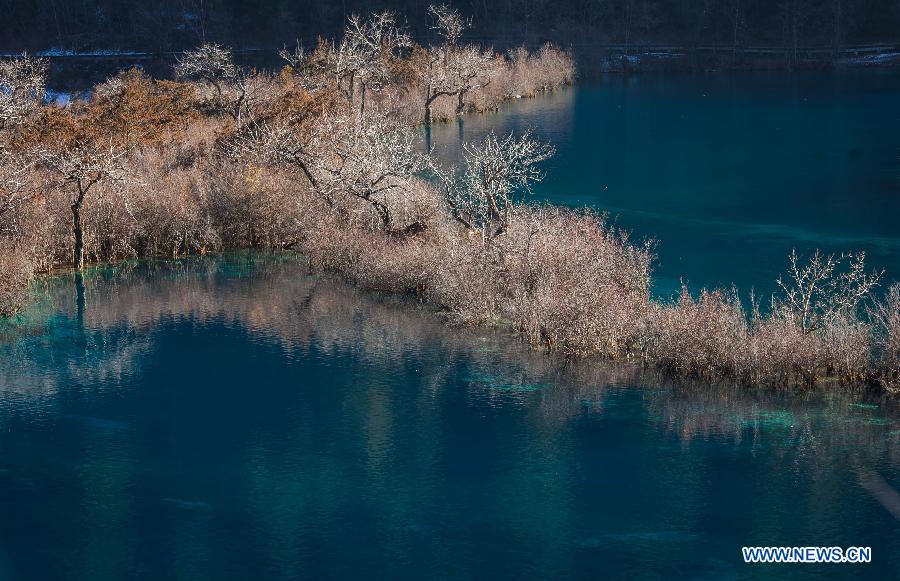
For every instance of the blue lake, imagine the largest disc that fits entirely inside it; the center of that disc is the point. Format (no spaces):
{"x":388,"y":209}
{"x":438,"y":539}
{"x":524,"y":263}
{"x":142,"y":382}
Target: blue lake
{"x":727,"y":172}
{"x":240,"y":419}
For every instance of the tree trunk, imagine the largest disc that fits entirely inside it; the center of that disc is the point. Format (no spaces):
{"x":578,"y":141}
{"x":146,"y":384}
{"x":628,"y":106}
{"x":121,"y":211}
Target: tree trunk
{"x":78,"y":230}
{"x":836,"y":32}
{"x":79,"y":296}
{"x":736,"y":27}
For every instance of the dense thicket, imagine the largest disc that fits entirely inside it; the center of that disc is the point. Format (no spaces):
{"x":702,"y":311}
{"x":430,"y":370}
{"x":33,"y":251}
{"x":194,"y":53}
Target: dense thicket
{"x":167,"y":25}
{"x":325,"y":158}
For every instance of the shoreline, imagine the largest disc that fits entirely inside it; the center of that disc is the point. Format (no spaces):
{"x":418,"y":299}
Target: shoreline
{"x":504,"y":336}
{"x":316,"y":161}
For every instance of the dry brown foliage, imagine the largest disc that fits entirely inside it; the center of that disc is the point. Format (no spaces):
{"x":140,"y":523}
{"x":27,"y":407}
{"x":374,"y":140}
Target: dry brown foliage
{"x":304,"y":166}
{"x":15,"y":274}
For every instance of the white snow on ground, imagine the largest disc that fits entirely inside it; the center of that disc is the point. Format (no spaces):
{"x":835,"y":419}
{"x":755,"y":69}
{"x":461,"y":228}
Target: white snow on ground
{"x":96,"y":52}
{"x":57,"y":98}
{"x":64,"y":98}
{"x":56,"y":52}
{"x":874,"y":59}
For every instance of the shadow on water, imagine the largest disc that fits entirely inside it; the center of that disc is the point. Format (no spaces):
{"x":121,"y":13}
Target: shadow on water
{"x":237,"y":416}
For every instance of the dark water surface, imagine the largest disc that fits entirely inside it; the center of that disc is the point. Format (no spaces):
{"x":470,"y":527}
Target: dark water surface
{"x":727,"y":172}
{"x":239,"y":419}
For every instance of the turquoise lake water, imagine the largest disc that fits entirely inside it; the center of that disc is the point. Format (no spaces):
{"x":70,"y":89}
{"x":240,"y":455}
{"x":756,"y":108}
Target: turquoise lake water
{"x":240,"y":419}
{"x":727,"y":172}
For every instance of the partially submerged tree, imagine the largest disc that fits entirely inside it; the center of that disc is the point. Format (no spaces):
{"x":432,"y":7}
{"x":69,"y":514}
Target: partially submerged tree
{"x":22,"y":88}
{"x":449,"y":70}
{"x":470,"y":66}
{"x":81,"y":167}
{"x":365,"y":55}
{"x":496,"y":170}
{"x":448,"y":23}
{"x":824,"y":289}
{"x":453,"y":73}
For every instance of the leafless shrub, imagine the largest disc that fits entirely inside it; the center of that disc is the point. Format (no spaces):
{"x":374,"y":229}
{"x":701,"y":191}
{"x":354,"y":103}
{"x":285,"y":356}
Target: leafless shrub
{"x":818,"y":292}
{"x":22,"y":88}
{"x":520,"y":73}
{"x":16,"y":185}
{"x":554,"y":67}
{"x":847,"y":349}
{"x":572,"y":283}
{"x":463,"y":285}
{"x":707,"y":336}
{"x":112,"y":87}
{"x":15,"y":274}
{"x":885,"y":316}
{"x":783,"y":354}
{"x":170,"y":200}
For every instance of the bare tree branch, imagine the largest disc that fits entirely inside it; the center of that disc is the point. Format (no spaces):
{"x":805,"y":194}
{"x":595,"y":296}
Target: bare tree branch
{"x":495,"y":171}
{"x":22,"y":88}
{"x":80,"y":167}
{"x":816,"y":293}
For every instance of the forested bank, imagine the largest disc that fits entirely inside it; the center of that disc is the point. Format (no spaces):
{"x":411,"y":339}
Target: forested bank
{"x":603,"y":35}
{"x":326,"y":158}
{"x":175,"y":25}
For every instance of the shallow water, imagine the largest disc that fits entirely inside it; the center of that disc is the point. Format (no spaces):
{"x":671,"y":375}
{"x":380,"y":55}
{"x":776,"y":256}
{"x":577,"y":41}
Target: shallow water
{"x":235,"y":419}
{"x":727,"y":172}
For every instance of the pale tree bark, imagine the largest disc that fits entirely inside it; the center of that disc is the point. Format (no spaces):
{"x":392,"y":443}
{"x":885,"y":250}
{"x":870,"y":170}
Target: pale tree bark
{"x":82,"y":167}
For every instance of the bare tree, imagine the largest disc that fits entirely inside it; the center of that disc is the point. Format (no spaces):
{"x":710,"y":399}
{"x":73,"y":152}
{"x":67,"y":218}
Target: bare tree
{"x":370,"y":158}
{"x":373,"y":160}
{"x":818,"y":292}
{"x":236,"y":90}
{"x":885,"y":315}
{"x":16,"y":186}
{"x":448,"y":23}
{"x":81,"y":167}
{"x":198,"y":15}
{"x":470,"y":67}
{"x":735,"y":15}
{"x":288,"y":141}
{"x":450,"y":70}
{"x":453,"y":73}
{"x":22,"y":88}
{"x":837,"y":20}
{"x":297,"y":58}
{"x":367,"y":50}
{"x":480,"y":197}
